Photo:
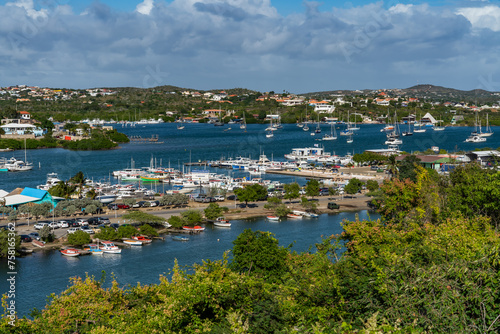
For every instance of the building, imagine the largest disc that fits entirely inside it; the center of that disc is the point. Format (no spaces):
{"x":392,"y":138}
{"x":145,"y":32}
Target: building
{"x":484,"y":158}
{"x":27,"y":195}
{"x":430,"y":161}
{"x":20,"y":129}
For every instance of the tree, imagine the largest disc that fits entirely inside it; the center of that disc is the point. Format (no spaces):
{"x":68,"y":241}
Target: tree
{"x":46,"y":234}
{"x":62,"y":189}
{"x":79,"y":181}
{"x":309,"y":206}
{"x":353,"y":186}
{"x":407,"y":168}
{"x":91,"y":208}
{"x":148,"y":230}
{"x":213,"y":210}
{"x":10,"y":243}
{"x":126,"y":231}
{"x":192,"y":217}
{"x":272,"y":202}
{"x":312,"y":188}
{"x":292,"y":191}
{"x":372,"y":185}
{"x":281,"y":210}
{"x":176,"y":221}
{"x":143,"y":218}
{"x":251,"y":193}
{"x":259,"y":253}
{"x":107,"y":233}
{"x":79,"y":238}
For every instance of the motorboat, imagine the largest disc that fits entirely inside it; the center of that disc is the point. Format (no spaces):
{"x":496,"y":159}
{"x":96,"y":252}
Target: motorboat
{"x":475,"y":139}
{"x":109,"y":247}
{"x":180,"y":238}
{"x":193,"y":228}
{"x":106,"y":198}
{"x":71,"y":252}
{"x":293,"y":216}
{"x":132,"y":242}
{"x":273,"y":218}
{"x":221,"y":222}
{"x":94,"y":249}
{"x":142,"y":239}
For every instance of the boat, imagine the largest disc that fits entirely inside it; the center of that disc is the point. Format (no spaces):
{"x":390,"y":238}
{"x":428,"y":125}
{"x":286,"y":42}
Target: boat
{"x":14,"y":165}
{"x":52,"y":180}
{"x":180,"y":238}
{"x":331,"y":136}
{"x":72,"y":252}
{"x":438,"y":128}
{"x":421,"y":130}
{"x":107,"y":198}
{"x":488,"y":131}
{"x":349,"y":139}
{"x":243,"y":126}
{"x":180,"y":127}
{"x":310,"y":215}
{"x":475,"y":139}
{"x":142,"y":239}
{"x":94,"y":249}
{"x":109,"y":247}
{"x":318,"y":129}
{"x":132,"y":242}
{"x":409,"y":132}
{"x":221,"y":222}
{"x":293,"y":216}
{"x":269,"y":134}
{"x":273,"y":218}
{"x":193,"y":228}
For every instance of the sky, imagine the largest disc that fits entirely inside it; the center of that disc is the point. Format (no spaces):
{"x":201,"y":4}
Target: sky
{"x":265,"y":45}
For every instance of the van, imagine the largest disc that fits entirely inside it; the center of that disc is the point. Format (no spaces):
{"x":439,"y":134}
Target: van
{"x":333,"y":206}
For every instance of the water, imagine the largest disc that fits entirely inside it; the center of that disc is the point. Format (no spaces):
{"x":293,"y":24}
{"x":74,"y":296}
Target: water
{"x":199,"y":142}
{"x":43,"y":273}
{"x":46,"y":272}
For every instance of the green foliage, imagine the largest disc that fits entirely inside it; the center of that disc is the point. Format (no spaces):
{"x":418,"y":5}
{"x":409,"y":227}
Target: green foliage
{"x":148,"y":230}
{"x":212,"y":211}
{"x":192,"y":217}
{"x":107,"y":233}
{"x":310,"y":206}
{"x":292,"y":191}
{"x":126,"y":231}
{"x":251,"y":193}
{"x":353,"y":186}
{"x":10,"y":243}
{"x":143,"y":218}
{"x":79,"y":238}
{"x":372,"y":185}
{"x":369,"y":157}
{"x":272,"y":202}
{"x":46,"y":234}
{"x":62,"y":189}
{"x":408,"y":168}
{"x":259,"y":253}
{"x":281,"y":210}
{"x":312,"y":188}
{"x":176,"y":221}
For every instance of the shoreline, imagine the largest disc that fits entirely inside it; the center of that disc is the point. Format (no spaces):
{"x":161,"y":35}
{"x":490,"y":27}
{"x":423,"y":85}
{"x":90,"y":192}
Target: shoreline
{"x":355,"y":203}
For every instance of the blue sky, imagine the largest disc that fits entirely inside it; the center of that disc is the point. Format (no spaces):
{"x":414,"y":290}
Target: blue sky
{"x":297,"y":46}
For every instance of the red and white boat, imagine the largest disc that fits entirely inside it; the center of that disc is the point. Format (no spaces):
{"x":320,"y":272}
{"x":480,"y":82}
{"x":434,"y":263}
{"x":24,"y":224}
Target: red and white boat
{"x":142,"y":239}
{"x":109,"y":247}
{"x":193,"y":228}
{"x":221,"y":222}
{"x":70,"y":252}
{"x":132,"y":242}
{"x":273,"y":218}
{"x":293,"y":216}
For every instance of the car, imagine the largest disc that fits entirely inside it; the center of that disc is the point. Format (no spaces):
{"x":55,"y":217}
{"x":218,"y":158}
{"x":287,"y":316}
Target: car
{"x":374,"y":168}
{"x":25,"y":238}
{"x":73,"y":223}
{"x":138,"y":204}
{"x":113,"y":206}
{"x":34,"y":235}
{"x":153,"y":203}
{"x":40,"y":225}
{"x":333,"y":206}
{"x":242,"y":205}
{"x":200,"y":198}
{"x":252,"y":205}
{"x":232,"y":198}
{"x":87,"y":229}
{"x":219,"y":198}
{"x":82,"y":222}
{"x":324,"y":192}
{"x":114,"y":225}
{"x":123,"y":206}
{"x":63,"y":224}
{"x":72,"y":230}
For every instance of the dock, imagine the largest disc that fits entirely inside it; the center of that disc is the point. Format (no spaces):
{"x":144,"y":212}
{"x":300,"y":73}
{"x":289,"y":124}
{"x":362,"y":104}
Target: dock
{"x":138,"y":139}
{"x":199,"y":163}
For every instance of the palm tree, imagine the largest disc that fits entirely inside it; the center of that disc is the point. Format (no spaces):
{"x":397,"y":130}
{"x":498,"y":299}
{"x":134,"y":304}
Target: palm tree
{"x":79,"y":180}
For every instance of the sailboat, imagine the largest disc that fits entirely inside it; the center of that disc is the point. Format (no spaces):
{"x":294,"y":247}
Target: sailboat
{"x":409,"y":132}
{"x":244,"y":125}
{"x":352,"y":127}
{"x":488,"y":129}
{"x":332,"y":135}
{"x":318,"y":129}
{"x":300,"y":124}
{"x":269,"y":134}
{"x":475,"y":137}
{"x":349,"y":139}
{"x":438,"y":128}
{"x":14,"y":165}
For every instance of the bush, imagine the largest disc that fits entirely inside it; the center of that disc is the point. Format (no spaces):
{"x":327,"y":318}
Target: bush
{"x":126,"y":231}
{"x":79,"y":238}
{"x":176,"y":221}
{"x":148,"y":230}
{"x":107,"y":233}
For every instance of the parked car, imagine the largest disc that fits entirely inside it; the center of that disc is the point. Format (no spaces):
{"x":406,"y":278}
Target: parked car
{"x":72,"y":230}
{"x":333,"y":206}
{"x":63,"y":224}
{"x":82,"y":222}
{"x":138,"y":204}
{"x":25,"y":238}
{"x":40,"y":225}
{"x":87,"y":229}
{"x":123,"y":206}
{"x":202,"y":199}
{"x":232,"y":197}
{"x":113,"y":206}
{"x":34,"y":236}
{"x":219,"y":198}
{"x":153,"y":203}
{"x":73,"y":223}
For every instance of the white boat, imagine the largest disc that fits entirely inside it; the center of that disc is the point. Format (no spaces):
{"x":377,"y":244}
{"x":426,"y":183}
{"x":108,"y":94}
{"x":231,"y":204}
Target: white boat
{"x":14,"y":165}
{"x":273,"y":218}
{"x":180,"y":127}
{"x":269,"y":134}
{"x":221,"y":222}
{"x":109,"y":247}
{"x":393,"y":141}
{"x":331,"y":136}
{"x":107,"y":198}
{"x":475,"y":139}
{"x":488,"y":129}
{"x":349,"y":140}
{"x":132,"y":242}
{"x":418,"y":130}
{"x":52,"y":180}
{"x":243,"y":126}
{"x":71,"y":252}
{"x":94,"y":249}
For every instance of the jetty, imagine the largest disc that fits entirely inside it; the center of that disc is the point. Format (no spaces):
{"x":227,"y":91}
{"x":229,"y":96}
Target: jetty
{"x":154,"y":139}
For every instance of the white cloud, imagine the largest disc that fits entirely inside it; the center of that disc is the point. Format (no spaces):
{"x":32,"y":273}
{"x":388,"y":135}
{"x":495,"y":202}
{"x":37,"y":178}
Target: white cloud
{"x":29,"y":7}
{"x":487,"y":17}
{"x":145,"y":7}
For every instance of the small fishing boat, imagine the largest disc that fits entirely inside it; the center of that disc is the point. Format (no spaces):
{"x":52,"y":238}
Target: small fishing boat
{"x":273,"y":218}
{"x":93,"y":249}
{"x":72,"y":252}
{"x":132,"y":242}
{"x":109,"y":247}
{"x":293,"y":216}
{"x":221,"y":222}
{"x":142,"y":239}
{"x":193,"y":228}
{"x":180,"y":238}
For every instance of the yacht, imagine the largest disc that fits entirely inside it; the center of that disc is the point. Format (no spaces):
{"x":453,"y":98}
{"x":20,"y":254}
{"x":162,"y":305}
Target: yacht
{"x":52,"y":180}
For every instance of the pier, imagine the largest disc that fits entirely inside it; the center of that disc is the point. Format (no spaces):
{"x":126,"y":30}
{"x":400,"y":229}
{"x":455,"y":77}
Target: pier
{"x":154,"y":139}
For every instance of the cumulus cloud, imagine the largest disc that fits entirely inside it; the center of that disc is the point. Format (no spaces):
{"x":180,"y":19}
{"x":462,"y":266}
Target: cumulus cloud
{"x":218,"y":43}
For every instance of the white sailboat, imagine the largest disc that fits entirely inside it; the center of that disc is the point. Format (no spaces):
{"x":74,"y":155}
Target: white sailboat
{"x":244,"y":125}
{"x":349,"y":139}
{"x":318,"y":129}
{"x":352,"y":127}
{"x":488,"y":129}
{"x":14,"y":165}
{"x":269,"y":134}
{"x":332,"y":135}
{"x":475,"y":137}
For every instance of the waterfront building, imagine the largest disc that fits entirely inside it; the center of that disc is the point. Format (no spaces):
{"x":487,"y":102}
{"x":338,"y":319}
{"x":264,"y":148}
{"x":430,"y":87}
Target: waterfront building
{"x":20,"y":196}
